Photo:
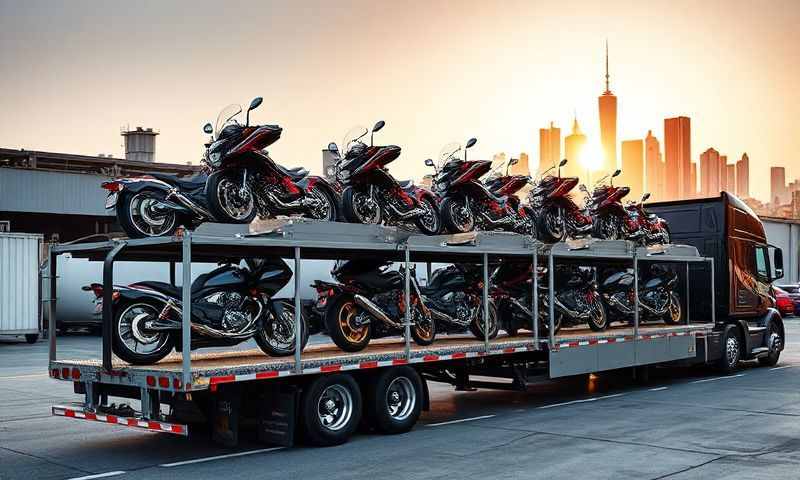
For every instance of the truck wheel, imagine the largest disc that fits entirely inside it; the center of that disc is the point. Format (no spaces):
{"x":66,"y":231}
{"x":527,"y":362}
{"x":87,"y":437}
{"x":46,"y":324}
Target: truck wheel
{"x":731,"y":346}
{"x":774,"y":341}
{"x":331,"y":409}
{"x":394,"y":400}
{"x":32,"y":337}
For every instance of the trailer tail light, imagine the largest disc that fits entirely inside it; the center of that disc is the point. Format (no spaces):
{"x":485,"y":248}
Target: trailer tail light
{"x":151,"y":381}
{"x":176,"y":383}
{"x":76,"y":374}
{"x":97,"y":289}
{"x":54,"y":373}
{"x":163,"y":382}
{"x":65,"y":372}
{"x":111,"y":186}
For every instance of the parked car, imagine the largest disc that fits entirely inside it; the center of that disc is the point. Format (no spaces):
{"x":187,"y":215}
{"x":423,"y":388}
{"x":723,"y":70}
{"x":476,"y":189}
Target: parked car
{"x":784,"y":302}
{"x":794,"y":293}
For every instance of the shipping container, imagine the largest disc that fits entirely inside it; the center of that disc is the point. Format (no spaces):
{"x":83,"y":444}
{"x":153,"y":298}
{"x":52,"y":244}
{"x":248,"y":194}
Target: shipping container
{"x":19,"y":285}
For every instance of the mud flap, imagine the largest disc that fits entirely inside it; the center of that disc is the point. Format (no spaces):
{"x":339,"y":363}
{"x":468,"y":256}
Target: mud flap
{"x":226,"y":408}
{"x":278,"y":411}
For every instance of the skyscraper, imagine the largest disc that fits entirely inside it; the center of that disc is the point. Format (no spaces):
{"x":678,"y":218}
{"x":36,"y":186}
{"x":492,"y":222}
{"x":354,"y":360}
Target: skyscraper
{"x":573,"y":152}
{"x":654,"y":167}
{"x":522,"y":167}
{"x":778,"y":192}
{"x":678,"y":154}
{"x":709,"y":173}
{"x":607,"y":104}
{"x":723,"y":173}
{"x":549,"y":146}
{"x":691,"y":189}
{"x":730,"y":178}
{"x":743,"y":177}
{"x":633,"y":167}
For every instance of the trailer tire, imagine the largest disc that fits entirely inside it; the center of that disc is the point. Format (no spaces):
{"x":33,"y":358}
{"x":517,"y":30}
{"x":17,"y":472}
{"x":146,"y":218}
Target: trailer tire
{"x":331,"y":409}
{"x":774,"y":340}
{"x":32,"y":338}
{"x":731,"y":345}
{"x":394,"y":400}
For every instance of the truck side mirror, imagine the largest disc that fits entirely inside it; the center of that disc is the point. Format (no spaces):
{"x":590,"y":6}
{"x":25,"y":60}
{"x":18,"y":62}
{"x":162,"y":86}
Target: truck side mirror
{"x":778,"y":264}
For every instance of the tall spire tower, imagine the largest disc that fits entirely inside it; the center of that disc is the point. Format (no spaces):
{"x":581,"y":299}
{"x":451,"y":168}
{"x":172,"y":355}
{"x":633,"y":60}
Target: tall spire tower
{"x":607,"y":104}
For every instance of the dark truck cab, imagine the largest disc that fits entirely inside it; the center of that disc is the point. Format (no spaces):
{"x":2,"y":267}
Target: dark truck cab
{"x":748,"y":326}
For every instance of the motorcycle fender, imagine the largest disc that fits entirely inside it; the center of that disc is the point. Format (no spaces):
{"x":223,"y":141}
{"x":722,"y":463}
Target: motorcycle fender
{"x":421,"y":193}
{"x":309,"y":182}
{"x":132,"y":294}
{"x":138,"y":184}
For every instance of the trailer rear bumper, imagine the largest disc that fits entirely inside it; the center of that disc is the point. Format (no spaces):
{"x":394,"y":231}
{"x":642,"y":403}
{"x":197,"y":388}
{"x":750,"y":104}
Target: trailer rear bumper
{"x":82,"y":413}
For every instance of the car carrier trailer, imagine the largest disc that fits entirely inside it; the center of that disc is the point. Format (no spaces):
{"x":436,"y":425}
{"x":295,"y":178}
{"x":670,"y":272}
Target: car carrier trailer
{"x":322,"y":393}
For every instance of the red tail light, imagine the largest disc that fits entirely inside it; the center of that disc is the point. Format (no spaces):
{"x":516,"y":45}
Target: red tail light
{"x":112,"y":186}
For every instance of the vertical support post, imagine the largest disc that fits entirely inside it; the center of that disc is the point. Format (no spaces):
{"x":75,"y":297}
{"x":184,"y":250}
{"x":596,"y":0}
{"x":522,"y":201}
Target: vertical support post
{"x":298,"y":315}
{"x":551,"y":298}
{"x":407,"y":330}
{"x":186,"y":307}
{"x":51,"y":323}
{"x":428,"y":281}
{"x":108,"y":303}
{"x":172,"y":273}
{"x":635,"y":296}
{"x":687,"y":293}
{"x":535,"y":297}
{"x":713,"y":294}
{"x":486,"y":301}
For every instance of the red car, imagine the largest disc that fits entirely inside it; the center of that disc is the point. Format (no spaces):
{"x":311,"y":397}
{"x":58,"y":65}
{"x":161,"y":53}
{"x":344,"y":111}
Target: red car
{"x":783,"y":302}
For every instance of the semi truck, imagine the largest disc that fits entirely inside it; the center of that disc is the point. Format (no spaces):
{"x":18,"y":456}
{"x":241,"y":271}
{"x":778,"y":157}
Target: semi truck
{"x":322,"y":393}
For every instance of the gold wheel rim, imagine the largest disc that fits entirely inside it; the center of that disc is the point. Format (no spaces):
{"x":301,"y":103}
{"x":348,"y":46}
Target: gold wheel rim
{"x":346,"y":314}
{"x":424,"y":330}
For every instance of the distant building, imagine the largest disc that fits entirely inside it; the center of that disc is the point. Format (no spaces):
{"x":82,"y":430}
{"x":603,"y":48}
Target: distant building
{"x":778,"y":191}
{"x":522,"y":167}
{"x":574,"y":145}
{"x":730,"y":178}
{"x":654,"y":167}
{"x":691,"y":189}
{"x":140,"y":144}
{"x":607,"y":107}
{"x":499,"y":159}
{"x":549,"y":146}
{"x":329,"y":159}
{"x":743,"y":177}
{"x":710,"y":168}
{"x":677,"y":157}
{"x":633,"y":167}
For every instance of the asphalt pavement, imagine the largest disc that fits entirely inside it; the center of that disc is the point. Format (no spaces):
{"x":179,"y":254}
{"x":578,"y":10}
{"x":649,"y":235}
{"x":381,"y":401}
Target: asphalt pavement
{"x":683,"y":424}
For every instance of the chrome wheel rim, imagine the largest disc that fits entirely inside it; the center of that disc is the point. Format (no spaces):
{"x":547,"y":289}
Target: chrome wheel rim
{"x":732,"y":350}
{"x":674,"y":309}
{"x":134,"y":337}
{"x":462,"y":214}
{"x":147,"y":219}
{"x":335,"y":407}
{"x":429,"y":219}
{"x":401,"y":398}
{"x":280,"y":332}
{"x":555,"y":227}
{"x":324,"y":210}
{"x":237,"y":202}
{"x":366,"y":208}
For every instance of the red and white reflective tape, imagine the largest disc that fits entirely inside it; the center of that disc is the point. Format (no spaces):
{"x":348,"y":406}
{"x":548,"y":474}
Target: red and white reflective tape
{"x":600,"y":341}
{"x":337,"y":367}
{"x":153,"y":426}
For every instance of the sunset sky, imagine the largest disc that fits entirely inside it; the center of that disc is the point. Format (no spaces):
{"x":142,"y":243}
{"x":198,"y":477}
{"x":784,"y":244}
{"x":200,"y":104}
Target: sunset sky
{"x":72,"y":73}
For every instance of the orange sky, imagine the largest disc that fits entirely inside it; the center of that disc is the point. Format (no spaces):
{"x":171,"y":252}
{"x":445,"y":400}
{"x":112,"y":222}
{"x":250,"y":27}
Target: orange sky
{"x":74,"y":72}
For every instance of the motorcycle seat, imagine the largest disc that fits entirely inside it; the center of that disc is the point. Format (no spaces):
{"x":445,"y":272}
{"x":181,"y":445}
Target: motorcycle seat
{"x":195,"y":182}
{"x":405,"y":184}
{"x":162,"y":287}
{"x":297,"y":173}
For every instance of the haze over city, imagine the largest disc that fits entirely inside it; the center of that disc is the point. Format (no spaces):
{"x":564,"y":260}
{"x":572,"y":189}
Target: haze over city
{"x":74,"y":73}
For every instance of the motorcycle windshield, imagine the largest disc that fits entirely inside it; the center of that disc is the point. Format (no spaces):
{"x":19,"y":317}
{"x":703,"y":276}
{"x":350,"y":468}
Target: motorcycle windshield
{"x":449,"y":152}
{"x":353,"y":138}
{"x":228,"y":116}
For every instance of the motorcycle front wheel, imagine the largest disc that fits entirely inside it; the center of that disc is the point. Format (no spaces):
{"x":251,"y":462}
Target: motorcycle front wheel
{"x":606,"y":228}
{"x":424,"y":329}
{"x":327,"y":209}
{"x":598,"y":318}
{"x":550,"y":226}
{"x":674,"y":311}
{"x":359,"y":207}
{"x":339,"y":321}
{"x":131,"y":341}
{"x":276,"y":337}
{"x":457,"y":216}
{"x":429,"y":223}
{"x":477,"y":325}
{"x":228,"y":200}
{"x":141,"y":215}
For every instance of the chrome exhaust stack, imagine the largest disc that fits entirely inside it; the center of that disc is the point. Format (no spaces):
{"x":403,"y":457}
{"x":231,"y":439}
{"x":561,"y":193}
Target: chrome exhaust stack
{"x":375,"y":311}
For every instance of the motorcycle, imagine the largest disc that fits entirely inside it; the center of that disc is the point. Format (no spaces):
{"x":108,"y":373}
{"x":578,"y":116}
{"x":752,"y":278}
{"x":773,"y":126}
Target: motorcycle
{"x":238,"y":181}
{"x":655,"y":228}
{"x":577,"y":298}
{"x":508,"y":186}
{"x":556,"y":215}
{"x":610,"y":219}
{"x":370,"y":195}
{"x":370,"y":303}
{"x":230,"y":305}
{"x":467,"y":203}
{"x":657,"y":298}
{"x":454,"y":295}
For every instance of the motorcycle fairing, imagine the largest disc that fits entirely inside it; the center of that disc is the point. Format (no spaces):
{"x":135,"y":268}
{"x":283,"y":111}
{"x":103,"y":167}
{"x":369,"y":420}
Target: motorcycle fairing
{"x":255,"y":139}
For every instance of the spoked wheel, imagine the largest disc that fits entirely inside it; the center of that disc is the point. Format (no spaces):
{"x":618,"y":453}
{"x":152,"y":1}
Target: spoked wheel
{"x":457,"y":216}
{"x":326,"y":207}
{"x":607,"y":228}
{"x":551,"y":226}
{"x":598,"y":320}
{"x":674,"y":310}
{"x":478,"y":325}
{"x":774,"y":342}
{"x":359,"y":207}
{"x":394,"y":400}
{"x":331,"y":409}
{"x":424,"y":329}
{"x":731,"y":350}
{"x":277,"y":334}
{"x":429,"y":223}
{"x":142,"y":214}
{"x":343,"y":321}
{"x":132,"y":342}
{"x":229,"y":200}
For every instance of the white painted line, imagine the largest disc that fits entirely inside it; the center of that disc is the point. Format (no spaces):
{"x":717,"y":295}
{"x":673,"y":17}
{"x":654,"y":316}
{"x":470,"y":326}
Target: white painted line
{"x":585,"y":400}
{"x":33,"y":375}
{"x":657,"y":389}
{"x":780,"y":368}
{"x":718,"y":378}
{"x":459,"y":421}
{"x":99,"y":475}
{"x":611,"y":396}
{"x":220,"y":457}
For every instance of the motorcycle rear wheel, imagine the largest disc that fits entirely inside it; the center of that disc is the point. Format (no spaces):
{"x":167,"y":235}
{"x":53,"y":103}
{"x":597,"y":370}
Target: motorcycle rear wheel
{"x":431,"y":224}
{"x":550,"y":227}
{"x":598,"y":319}
{"x":328,"y":211}
{"x":424,"y":329}
{"x":276,"y":337}
{"x":137,"y":217}
{"x":358,"y":207}
{"x":457,"y":216}
{"x":339,"y":318}
{"x":128,"y":335}
{"x":228,"y":201}
{"x":674,"y":311}
{"x":606,"y":228}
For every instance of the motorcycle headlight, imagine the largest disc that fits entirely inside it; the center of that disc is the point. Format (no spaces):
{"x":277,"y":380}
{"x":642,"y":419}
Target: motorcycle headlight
{"x":344,"y":174}
{"x":215,"y":159}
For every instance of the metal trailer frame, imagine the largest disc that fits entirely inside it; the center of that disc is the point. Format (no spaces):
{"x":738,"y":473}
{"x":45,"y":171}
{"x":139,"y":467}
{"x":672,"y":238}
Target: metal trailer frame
{"x":321,"y":240}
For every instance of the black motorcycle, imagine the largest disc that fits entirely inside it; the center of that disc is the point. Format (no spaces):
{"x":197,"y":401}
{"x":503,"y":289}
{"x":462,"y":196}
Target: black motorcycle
{"x":657,"y":297}
{"x":454,"y":295}
{"x":577,"y":298}
{"x":230,"y":304}
{"x":370,"y":303}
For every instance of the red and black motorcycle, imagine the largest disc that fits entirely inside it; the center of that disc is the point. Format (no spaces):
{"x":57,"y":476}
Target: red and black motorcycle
{"x":556,"y":215}
{"x":655,"y":228}
{"x":610,"y":219}
{"x":239,"y":180}
{"x":370,"y":194}
{"x":508,"y":186}
{"x":467,"y":203}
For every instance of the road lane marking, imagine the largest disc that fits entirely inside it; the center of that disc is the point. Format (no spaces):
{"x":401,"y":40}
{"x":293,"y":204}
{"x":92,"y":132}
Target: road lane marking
{"x":459,"y":421}
{"x":99,"y":475}
{"x":33,"y":375}
{"x":718,"y":378}
{"x":584,"y":400}
{"x":657,"y":389}
{"x":220,"y":457}
{"x":780,"y":368}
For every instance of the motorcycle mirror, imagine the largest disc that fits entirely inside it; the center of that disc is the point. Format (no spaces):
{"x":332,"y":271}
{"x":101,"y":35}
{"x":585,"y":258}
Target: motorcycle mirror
{"x":429,"y":162}
{"x":645,"y":196}
{"x":253,"y":105}
{"x":378,"y":126}
{"x":513,"y":161}
{"x":562,"y":163}
{"x":471,"y":142}
{"x":616,"y":173}
{"x":332,"y":147}
{"x":207,"y":128}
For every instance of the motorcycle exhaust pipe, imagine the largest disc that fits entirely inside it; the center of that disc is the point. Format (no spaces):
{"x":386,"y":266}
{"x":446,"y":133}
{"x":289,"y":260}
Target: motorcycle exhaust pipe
{"x":245,"y":332}
{"x":437,"y":315}
{"x":188,"y":203}
{"x":300,"y":203}
{"x":407,"y":215}
{"x":375,"y":311}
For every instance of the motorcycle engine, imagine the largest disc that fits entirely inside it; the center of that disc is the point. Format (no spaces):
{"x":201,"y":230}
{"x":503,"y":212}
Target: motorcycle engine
{"x":459,"y":303}
{"x":234,"y":317}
